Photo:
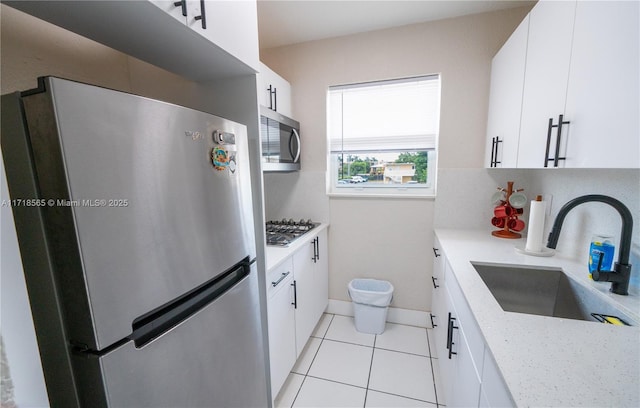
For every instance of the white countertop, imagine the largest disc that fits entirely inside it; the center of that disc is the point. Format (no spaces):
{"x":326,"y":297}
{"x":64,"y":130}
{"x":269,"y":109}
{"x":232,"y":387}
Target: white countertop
{"x":276,"y":254}
{"x":548,"y":361}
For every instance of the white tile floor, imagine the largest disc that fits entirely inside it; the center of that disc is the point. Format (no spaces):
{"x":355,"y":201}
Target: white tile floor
{"x":340,"y":367}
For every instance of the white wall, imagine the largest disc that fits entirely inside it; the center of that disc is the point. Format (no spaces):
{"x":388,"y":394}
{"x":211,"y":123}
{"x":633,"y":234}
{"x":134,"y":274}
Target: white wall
{"x":386,"y":238}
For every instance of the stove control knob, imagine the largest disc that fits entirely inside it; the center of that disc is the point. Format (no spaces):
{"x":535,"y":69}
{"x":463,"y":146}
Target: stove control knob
{"x":291,"y":221}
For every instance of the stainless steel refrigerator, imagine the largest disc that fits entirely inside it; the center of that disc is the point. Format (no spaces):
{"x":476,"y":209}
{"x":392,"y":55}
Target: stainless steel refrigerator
{"x":135,"y":225}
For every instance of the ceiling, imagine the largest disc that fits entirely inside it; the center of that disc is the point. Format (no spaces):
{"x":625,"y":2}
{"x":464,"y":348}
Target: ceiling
{"x":295,"y":21}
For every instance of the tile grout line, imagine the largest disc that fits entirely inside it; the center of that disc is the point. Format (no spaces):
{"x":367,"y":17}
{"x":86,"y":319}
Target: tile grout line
{"x":312,"y":360}
{"x":433,"y":372}
{"x":373,"y":351}
{"x":373,"y":347}
{"x":378,"y":391}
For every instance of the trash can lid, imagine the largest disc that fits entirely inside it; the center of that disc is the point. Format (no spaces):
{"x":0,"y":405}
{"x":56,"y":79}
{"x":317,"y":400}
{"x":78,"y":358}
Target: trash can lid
{"x":371,"y":285}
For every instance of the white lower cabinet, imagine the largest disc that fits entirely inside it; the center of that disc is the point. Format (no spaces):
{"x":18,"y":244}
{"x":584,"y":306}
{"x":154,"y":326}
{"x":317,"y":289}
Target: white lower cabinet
{"x":494,"y":392}
{"x":469,"y":375}
{"x":282,"y":328}
{"x":295,"y":304}
{"x":312,"y":287}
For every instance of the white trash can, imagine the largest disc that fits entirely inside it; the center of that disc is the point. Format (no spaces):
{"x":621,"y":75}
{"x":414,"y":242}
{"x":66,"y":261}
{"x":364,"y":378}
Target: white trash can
{"x":371,"y":299}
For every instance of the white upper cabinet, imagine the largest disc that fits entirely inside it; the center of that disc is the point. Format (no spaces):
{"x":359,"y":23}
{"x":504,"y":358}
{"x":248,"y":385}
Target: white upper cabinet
{"x":232,"y":25}
{"x":545,"y":79}
{"x":274,"y":91}
{"x":581,"y":64}
{"x":505,"y":104}
{"x":602,"y":96}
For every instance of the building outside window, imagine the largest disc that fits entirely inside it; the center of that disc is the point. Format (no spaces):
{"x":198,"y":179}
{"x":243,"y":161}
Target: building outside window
{"x":383,"y":137}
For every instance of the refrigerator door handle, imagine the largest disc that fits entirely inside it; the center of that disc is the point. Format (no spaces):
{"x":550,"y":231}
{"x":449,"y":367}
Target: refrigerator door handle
{"x":155,"y":323}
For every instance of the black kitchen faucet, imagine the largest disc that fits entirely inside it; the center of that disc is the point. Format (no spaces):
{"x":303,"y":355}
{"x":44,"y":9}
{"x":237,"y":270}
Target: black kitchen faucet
{"x":621,"y":273}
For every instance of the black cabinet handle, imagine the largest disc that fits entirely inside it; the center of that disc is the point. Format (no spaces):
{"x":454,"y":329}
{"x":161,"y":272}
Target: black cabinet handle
{"x":494,"y":151}
{"x":556,"y":158}
{"x":432,"y":323}
{"x":435,"y":252}
{"x":546,"y":151}
{"x":273,"y":97}
{"x":449,"y":331}
{"x":182,"y":4}
{"x":316,"y":249}
{"x":561,"y":122}
{"x":295,"y":295}
{"x":450,"y":335}
{"x":435,"y":285}
{"x":203,"y":16}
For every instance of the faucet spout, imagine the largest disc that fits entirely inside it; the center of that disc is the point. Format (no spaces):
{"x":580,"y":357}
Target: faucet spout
{"x":621,"y":274}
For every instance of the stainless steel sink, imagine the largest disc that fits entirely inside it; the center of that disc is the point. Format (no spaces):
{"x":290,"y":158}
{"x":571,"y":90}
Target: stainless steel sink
{"x":544,"y":291}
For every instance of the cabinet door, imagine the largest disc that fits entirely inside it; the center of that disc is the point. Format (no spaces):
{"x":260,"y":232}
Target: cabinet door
{"x":446,"y":362}
{"x":545,"y":80}
{"x":310,"y":293}
{"x":321,"y":275}
{"x":232,"y":25}
{"x":282,"y":331}
{"x":465,"y":389}
{"x":462,"y":381}
{"x":438,"y":307}
{"x":439,"y":313}
{"x":264,"y":95}
{"x":438,"y":264}
{"x":494,"y":391}
{"x":283,"y":96}
{"x":274,"y":91}
{"x":505,"y":100}
{"x":602,"y":98}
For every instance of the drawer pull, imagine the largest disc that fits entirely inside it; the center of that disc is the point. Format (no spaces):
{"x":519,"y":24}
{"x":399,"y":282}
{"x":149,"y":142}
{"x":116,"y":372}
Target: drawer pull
{"x":432,"y":323}
{"x":450,"y":335}
{"x":295,"y":295}
{"x":435,"y":285}
{"x":276,"y":283}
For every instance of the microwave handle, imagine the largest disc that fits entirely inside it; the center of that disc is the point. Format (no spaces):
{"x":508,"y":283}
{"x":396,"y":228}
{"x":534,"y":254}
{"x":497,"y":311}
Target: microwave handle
{"x":297,"y":155}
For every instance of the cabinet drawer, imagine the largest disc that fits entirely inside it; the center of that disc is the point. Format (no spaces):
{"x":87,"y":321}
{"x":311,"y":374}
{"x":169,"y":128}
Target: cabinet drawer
{"x":279,"y":276}
{"x":466,"y":319}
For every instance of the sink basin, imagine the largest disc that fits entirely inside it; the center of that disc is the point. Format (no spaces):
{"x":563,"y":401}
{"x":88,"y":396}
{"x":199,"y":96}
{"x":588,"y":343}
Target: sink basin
{"x":544,"y":291}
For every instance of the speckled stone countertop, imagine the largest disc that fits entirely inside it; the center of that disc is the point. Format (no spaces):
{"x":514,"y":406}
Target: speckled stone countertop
{"x":276,"y":254}
{"x":548,"y":361}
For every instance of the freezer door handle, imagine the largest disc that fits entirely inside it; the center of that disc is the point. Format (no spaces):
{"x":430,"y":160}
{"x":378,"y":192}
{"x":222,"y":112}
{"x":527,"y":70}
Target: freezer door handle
{"x":155,"y":323}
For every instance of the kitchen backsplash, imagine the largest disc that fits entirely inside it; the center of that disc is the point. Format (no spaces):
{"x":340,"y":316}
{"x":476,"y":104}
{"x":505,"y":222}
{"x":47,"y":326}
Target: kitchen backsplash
{"x":297,"y":195}
{"x":463,"y":201}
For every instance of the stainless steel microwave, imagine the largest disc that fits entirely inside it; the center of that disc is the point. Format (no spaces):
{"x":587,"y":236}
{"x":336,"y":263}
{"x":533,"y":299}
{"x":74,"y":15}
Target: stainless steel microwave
{"x":280,"y":139}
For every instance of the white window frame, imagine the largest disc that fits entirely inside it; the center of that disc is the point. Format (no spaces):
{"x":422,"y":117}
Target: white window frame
{"x":427,"y":190}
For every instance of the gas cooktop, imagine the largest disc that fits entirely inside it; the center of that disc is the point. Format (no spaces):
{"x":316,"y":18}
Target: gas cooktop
{"x":284,"y":232}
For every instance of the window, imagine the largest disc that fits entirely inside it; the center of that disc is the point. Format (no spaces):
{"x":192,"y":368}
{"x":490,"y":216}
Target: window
{"x":383,"y":136}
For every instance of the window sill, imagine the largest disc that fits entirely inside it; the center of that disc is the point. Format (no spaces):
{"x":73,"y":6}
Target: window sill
{"x":364,"y":194}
